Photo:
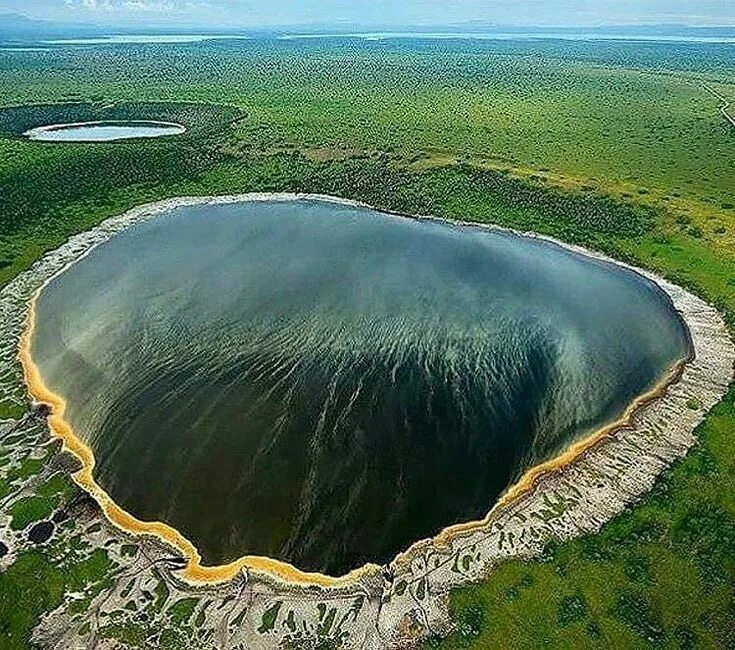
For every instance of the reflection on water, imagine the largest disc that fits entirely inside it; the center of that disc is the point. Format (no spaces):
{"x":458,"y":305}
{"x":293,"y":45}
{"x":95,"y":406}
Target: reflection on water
{"x":325,"y":384}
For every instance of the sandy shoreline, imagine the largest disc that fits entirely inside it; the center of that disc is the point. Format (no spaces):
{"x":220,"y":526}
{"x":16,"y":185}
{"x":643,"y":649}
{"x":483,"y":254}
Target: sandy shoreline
{"x":513,"y":497}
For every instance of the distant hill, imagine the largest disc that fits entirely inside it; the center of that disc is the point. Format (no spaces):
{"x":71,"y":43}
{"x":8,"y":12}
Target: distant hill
{"x":17,"y":26}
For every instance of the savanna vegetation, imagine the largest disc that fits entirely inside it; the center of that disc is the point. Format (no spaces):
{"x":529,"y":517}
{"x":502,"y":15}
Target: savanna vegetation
{"x":617,"y":146}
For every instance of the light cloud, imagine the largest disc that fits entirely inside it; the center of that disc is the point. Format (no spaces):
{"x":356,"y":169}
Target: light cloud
{"x":122,"y":5}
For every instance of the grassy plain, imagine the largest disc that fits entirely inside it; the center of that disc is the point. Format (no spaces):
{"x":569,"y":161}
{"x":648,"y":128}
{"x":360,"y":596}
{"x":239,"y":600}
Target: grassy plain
{"x":615,"y":146}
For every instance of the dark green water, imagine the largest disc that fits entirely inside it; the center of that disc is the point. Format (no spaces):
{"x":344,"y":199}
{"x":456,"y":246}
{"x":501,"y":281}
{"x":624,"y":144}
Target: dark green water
{"x":326,"y":385}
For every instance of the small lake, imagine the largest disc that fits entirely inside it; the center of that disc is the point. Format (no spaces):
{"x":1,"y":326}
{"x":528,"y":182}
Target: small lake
{"x":521,"y":36}
{"x":103,"y":131}
{"x":146,"y":39}
{"x":326,"y":384}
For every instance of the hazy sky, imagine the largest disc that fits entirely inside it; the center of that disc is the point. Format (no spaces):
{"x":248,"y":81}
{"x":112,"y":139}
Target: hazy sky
{"x":223,"y":13}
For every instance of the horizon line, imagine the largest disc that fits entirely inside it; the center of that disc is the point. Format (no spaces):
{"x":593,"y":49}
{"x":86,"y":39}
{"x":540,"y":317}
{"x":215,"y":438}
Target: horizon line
{"x":469,"y":26}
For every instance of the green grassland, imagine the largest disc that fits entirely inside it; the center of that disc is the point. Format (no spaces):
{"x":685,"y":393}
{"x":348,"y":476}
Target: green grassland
{"x":614,"y":146}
